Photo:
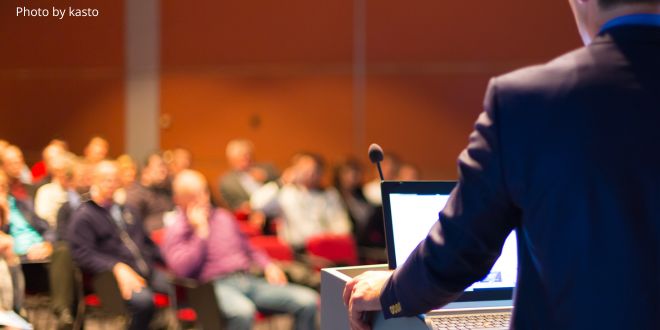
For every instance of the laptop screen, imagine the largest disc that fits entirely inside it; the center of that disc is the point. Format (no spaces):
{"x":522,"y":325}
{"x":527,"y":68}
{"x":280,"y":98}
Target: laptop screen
{"x":411,"y":209}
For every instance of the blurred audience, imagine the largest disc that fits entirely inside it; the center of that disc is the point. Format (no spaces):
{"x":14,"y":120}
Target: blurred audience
{"x":308,"y":209}
{"x":11,"y":285}
{"x":244,"y":178}
{"x":96,"y":150}
{"x":408,"y":172}
{"x":177,"y":160}
{"x":206,"y":244}
{"x":50,"y":196}
{"x":151,"y":196}
{"x":62,"y":281}
{"x":107,"y":237}
{"x":20,"y":184}
{"x":127,"y":176}
{"x":367,"y":219}
{"x":40,"y":170}
{"x":32,"y":236}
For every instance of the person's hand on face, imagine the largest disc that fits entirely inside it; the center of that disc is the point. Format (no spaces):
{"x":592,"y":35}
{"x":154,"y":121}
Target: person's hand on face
{"x":198,"y":216}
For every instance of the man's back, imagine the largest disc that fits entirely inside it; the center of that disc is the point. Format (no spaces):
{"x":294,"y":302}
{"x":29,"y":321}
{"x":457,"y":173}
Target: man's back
{"x":564,"y":153}
{"x":577,"y":140}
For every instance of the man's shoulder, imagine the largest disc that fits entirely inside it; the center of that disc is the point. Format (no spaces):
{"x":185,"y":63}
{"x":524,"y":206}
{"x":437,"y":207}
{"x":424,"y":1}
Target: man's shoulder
{"x":558,"y":72}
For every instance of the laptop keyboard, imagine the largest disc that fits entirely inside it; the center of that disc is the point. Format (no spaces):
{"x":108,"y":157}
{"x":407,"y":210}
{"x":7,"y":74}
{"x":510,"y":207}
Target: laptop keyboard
{"x":471,"y":321}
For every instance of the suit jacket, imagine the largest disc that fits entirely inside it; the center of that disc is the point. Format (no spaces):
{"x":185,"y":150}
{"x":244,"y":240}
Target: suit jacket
{"x":568,"y":154}
{"x":96,"y":243}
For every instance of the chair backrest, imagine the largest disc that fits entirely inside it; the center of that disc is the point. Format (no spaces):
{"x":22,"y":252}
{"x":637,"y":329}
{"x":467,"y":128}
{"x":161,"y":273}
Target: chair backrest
{"x":339,"y":249}
{"x":273,"y":247}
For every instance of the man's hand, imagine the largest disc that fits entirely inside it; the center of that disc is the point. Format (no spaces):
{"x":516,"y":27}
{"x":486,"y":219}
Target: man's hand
{"x":274,"y":275}
{"x":198,"y":216}
{"x":128,"y":280}
{"x":39,"y":251}
{"x":362,"y":294}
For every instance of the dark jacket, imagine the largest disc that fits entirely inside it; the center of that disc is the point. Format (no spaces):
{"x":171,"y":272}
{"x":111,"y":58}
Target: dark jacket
{"x":96,"y":245}
{"x":567,"y":154}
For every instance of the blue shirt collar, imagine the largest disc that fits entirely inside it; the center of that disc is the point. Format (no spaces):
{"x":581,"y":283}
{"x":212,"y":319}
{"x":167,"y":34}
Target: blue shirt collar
{"x":635,"y":19}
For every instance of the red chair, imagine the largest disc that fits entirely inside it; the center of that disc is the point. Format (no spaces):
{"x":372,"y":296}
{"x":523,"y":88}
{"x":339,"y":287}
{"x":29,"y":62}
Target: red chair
{"x":339,"y":250}
{"x":273,"y":247}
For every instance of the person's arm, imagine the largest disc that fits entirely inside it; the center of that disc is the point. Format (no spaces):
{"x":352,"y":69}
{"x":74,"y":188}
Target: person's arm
{"x":462,"y":247}
{"x":184,"y":249}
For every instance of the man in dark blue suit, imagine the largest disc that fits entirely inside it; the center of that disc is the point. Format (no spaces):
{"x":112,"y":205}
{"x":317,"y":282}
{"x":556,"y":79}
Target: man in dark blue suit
{"x":567,"y":154}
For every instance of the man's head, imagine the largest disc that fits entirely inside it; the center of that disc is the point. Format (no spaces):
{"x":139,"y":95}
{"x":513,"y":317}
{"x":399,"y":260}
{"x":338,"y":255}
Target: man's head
{"x":81,"y":176}
{"x":239,"y":154}
{"x":13,"y":162}
{"x":178,"y":160}
{"x":127,"y":170}
{"x":59,"y":166}
{"x":105,"y":181}
{"x":590,"y":15}
{"x":154,"y":172}
{"x":190,"y":189}
{"x":309,"y":170}
{"x":54,"y":149}
{"x":96,"y":150}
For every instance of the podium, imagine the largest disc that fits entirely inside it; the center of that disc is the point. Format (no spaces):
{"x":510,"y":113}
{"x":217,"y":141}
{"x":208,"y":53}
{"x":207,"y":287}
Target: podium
{"x":334,"y":315}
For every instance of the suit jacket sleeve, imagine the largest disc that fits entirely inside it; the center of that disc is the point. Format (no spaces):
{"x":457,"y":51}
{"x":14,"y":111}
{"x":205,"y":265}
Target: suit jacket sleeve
{"x":468,"y":238}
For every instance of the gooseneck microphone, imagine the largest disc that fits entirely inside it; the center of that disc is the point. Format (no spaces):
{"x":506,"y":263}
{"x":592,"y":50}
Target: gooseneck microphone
{"x":376,"y":156}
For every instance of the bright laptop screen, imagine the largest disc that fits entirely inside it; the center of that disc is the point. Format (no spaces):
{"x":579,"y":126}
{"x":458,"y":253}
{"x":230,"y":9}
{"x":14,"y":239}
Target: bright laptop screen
{"x":411,"y":216}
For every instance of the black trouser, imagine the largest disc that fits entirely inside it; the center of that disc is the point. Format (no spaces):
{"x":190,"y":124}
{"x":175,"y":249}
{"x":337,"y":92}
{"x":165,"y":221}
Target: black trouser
{"x":62,"y":279}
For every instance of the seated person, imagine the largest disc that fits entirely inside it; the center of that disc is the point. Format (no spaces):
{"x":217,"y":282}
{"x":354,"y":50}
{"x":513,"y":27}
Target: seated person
{"x":20,"y":183}
{"x":205,"y":243}
{"x":367,"y":219}
{"x":11,"y":286}
{"x":96,"y":150}
{"x":32,"y":237}
{"x":107,"y":237}
{"x":151,"y":197}
{"x":244,"y":178}
{"x":62,"y":281}
{"x":308,"y":209}
{"x":51,"y":195}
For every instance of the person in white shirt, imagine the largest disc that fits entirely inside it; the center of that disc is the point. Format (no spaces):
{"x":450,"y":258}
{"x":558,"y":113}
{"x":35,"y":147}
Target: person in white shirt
{"x":308,"y":209}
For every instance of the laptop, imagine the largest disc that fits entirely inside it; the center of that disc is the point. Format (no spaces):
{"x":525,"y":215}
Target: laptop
{"x":410,"y":209}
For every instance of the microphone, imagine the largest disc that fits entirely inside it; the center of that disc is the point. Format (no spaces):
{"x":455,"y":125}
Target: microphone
{"x":376,"y":156}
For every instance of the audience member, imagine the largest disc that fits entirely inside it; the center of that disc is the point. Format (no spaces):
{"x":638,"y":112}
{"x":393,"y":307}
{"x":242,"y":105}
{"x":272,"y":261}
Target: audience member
{"x":390,"y":166}
{"x":348,"y":182}
{"x":50,"y":196}
{"x":177,"y":160}
{"x":96,"y":150}
{"x":151,"y":197}
{"x":205,"y":243}
{"x":11,"y":286}
{"x":107,"y":237}
{"x":245,"y":177}
{"x":32,"y":237}
{"x":62,"y":281}
{"x":408,"y":172}
{"x":127,"y":176}
{"x":14,"y":165}
{"x":40,"y":171}
{"x":308,"y":208}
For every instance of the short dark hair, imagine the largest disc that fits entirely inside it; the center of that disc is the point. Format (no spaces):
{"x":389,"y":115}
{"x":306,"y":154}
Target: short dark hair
{"x":605,"y":4}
